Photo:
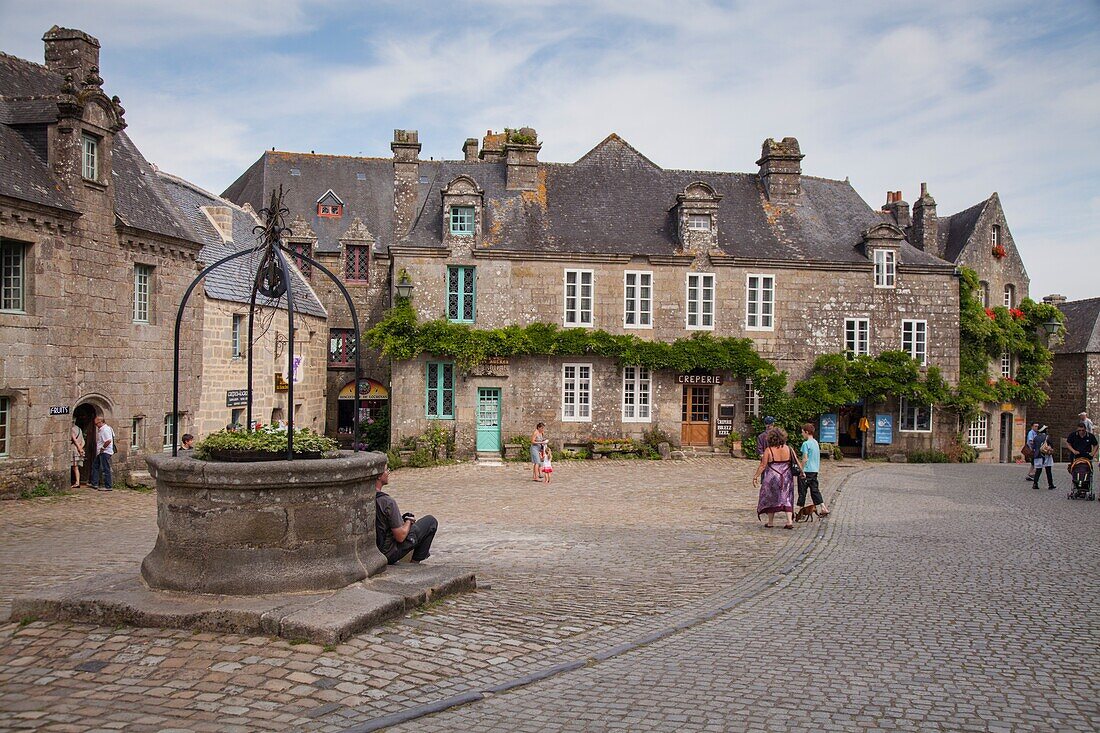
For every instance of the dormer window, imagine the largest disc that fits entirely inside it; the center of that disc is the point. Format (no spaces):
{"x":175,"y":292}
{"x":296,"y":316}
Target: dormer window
{"x":330,"y":205}
{"x":699,"y":222}
{"x":90,"y":166}
{"x":886,"y":268}
{"x":462,"y":221}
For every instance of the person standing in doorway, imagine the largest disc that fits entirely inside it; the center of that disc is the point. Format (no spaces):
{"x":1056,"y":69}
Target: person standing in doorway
{"x":104,"y":449}
{"x":76,"y":448}
{"x":1028,"y":453}
{"x":538,"y":442}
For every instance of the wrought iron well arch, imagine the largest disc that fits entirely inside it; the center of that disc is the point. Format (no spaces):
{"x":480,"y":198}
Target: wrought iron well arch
{"x":272,"y":280}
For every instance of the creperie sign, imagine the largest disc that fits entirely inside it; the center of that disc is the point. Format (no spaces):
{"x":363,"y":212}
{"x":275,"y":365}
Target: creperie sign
{"x":698,"y":379}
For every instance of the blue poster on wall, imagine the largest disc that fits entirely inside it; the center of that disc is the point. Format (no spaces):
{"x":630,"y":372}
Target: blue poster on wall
{"x":828,"y":428}
{"x":884,"y":429}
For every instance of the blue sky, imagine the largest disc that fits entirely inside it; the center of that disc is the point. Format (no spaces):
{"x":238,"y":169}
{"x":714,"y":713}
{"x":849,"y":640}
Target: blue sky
{"x":971,"y":97}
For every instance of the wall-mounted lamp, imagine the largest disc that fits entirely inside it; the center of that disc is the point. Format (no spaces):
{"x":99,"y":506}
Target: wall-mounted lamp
{"x":404,"y":284}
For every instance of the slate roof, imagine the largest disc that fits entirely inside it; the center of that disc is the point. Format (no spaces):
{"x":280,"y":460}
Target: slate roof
{"x":612,"y":200}
{"x":369,"y":199}
{"x":1082,"y":326}
{"x":233,"y":281}
{"x":955,"y":231}
{"x":28,"y":97}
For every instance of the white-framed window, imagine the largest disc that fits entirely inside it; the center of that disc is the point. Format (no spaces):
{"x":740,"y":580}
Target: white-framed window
{"x":760,"y":302}
{"x":977,"y":434}
{"x":5,"y":425}
{"x":995,"y":235}
{"x":637,"y":299}
{"x":238,"y":335}
{"x":143,"y":279}
{"x":752,"y":399}
{"x":576,"y":392}
{"x":137,"y":432}
{"x":915,"y":417}
{"x":578,"y":297}
{"x":886,"y":268}
{"x":636,"y":394}
{"x":857,"y":336}
{"x":1006,"y":365}
{"x":90,"y":166}
{"x":699,"y":222}
{"x":169,"y":430}
{"x":700,"y":301}
{"x":13,"y":267}
{"x":1010,"y":296}
{"x":983,"y":293}
{"x":914,"y":339}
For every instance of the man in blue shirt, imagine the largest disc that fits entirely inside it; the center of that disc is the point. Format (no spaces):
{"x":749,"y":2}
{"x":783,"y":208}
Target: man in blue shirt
{"x":811,"y":464}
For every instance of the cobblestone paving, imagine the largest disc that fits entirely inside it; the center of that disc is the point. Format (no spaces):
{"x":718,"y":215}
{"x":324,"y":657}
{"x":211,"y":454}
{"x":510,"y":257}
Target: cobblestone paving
{"x":609,"y":551}
{"x":940,"y":598}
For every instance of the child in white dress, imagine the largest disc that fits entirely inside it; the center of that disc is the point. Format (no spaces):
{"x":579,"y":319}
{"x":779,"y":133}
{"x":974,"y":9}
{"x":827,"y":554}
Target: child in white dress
{"x":547,"y":468}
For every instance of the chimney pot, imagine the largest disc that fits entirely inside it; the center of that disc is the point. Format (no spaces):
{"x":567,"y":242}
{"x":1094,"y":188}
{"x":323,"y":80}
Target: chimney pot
{"x":469,"y":149}
{"x":1054,"y":299}
{"x":781,"y":168}
{"x":70,"y":51}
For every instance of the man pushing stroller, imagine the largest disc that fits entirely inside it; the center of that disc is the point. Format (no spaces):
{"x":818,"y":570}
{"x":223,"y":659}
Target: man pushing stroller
{"x":1082,"y":446}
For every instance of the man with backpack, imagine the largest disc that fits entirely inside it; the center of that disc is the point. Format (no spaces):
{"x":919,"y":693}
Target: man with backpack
{"x":1044,"y":457}
{"x":1028,"y":453}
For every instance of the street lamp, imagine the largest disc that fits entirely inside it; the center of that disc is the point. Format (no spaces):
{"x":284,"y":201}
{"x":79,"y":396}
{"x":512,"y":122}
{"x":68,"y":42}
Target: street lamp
{"x":404,"y":285}
{"x":1052,"y":327}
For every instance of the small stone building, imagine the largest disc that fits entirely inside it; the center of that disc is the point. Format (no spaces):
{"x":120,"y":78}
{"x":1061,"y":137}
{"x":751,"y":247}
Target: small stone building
{"x":343,"y":216}
{"x":226,"y":228}
{"x":1074,"y":385}
{"x":94,"y":260}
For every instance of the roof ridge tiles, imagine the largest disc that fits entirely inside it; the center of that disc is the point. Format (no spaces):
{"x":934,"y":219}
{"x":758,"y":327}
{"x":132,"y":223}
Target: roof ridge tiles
{"x":289,"y":153}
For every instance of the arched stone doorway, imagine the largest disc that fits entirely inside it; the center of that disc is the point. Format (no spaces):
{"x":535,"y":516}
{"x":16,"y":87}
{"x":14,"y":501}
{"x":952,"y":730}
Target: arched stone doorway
{"x":84,"y":414}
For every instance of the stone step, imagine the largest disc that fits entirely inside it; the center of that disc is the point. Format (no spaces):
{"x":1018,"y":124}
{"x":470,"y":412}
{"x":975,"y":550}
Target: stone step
{"x":489,"y":458}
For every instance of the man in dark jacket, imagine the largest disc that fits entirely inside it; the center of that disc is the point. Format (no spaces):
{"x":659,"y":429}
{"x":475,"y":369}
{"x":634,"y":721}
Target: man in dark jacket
{"x":397,"y":534}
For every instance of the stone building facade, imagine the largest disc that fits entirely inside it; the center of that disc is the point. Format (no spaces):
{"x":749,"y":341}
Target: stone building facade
{"x":226,"y":228}
{"x":1074,"y":384}
{"x":977,"y":238}
{"x":785,"y":260}
{"x":95,"y":259}
{"x":342,"y":215}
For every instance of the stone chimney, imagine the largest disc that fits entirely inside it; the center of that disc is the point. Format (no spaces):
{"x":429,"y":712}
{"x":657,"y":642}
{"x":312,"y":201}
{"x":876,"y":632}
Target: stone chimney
{"x":70,"y":51}
{"x":897,"y":208}
{"x":521,"y":152}
{"x":222,"y":219}
{"x":406,"y":179}
{"x":1055,"y":300}
{"x":781,"y":168}
{"x":469,"y":150}
{"x":925,"y":234}
{"x":492,"y":146}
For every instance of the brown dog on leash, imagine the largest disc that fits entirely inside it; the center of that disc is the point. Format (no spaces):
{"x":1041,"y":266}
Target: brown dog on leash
{"x":806,"y":513}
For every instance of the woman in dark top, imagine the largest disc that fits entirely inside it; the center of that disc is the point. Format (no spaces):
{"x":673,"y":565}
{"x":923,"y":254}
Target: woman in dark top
{"x":1043,"y":453}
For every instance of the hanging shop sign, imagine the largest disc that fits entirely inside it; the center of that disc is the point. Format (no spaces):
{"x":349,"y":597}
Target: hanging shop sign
{"x":884,"y":429}
{"x":281,"y":385}
{"x":827,"y":428}
{"x":369,"y":389}
{"x":702,"y":379}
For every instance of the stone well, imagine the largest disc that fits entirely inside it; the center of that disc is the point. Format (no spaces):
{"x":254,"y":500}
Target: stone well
{"x":265,"y":527}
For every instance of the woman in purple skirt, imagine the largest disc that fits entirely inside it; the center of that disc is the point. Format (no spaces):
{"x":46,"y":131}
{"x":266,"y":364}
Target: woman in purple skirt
{"x":776,"y":479}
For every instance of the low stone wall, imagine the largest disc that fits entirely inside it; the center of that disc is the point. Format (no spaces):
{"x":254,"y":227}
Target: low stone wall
{"x":267,"y":527}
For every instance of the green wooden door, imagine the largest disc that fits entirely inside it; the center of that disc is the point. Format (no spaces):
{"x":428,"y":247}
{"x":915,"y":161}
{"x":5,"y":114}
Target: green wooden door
{"x":488,"y":418}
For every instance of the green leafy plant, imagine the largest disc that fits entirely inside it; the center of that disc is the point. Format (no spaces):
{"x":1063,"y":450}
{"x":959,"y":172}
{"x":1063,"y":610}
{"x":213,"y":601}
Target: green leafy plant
{"x":269,"y":439}
{"x":39,"y":490}
{"x":375,"y":433}
{"x":927,"y":456}
{"x":393,"y":459}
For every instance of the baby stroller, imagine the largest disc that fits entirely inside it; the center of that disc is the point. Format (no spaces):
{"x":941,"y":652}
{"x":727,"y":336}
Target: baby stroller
{"x":1080,"y":473}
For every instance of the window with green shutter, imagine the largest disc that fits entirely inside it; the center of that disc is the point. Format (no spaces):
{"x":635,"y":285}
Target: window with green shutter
{"x":440,"y":377}
{"x":461,"y":293}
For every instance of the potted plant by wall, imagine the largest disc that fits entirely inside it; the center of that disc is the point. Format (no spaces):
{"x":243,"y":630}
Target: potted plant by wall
{"x":267,"y":443}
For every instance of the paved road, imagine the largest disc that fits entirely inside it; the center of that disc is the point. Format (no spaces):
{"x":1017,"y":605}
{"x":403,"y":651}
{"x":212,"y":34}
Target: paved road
{"x":940,"y":598}
{"x":608,"y":552}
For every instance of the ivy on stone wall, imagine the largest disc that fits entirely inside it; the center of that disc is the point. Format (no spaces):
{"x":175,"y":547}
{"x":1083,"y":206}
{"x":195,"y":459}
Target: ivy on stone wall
{"x":835,"y":379}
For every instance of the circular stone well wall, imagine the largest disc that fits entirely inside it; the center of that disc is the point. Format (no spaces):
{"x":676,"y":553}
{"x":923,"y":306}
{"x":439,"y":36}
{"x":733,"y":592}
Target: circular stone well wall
{"x":265,"y":527}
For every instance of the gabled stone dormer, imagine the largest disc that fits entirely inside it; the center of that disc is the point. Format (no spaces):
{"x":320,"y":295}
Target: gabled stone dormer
{"x":696,"y":213}
{"x":301,"y":240}
{"x":881,"y":244}
{"x":357,"y":245}
{"x":463,"y":213}
{"x":221,"y":217}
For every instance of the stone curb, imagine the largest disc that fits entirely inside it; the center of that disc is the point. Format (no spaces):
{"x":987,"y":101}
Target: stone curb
{"x":753,"y":586}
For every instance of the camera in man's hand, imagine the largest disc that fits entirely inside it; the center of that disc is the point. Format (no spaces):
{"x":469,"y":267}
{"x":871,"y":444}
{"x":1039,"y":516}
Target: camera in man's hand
{"x":409,"y":517}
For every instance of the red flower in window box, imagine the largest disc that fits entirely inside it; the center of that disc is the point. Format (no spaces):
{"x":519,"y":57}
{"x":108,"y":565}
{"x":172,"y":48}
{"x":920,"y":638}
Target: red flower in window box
{"x":999,"y":251}
{"x":989,"y":312}
{"x":1010,"y":380}
{"x":1016,"y":313}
